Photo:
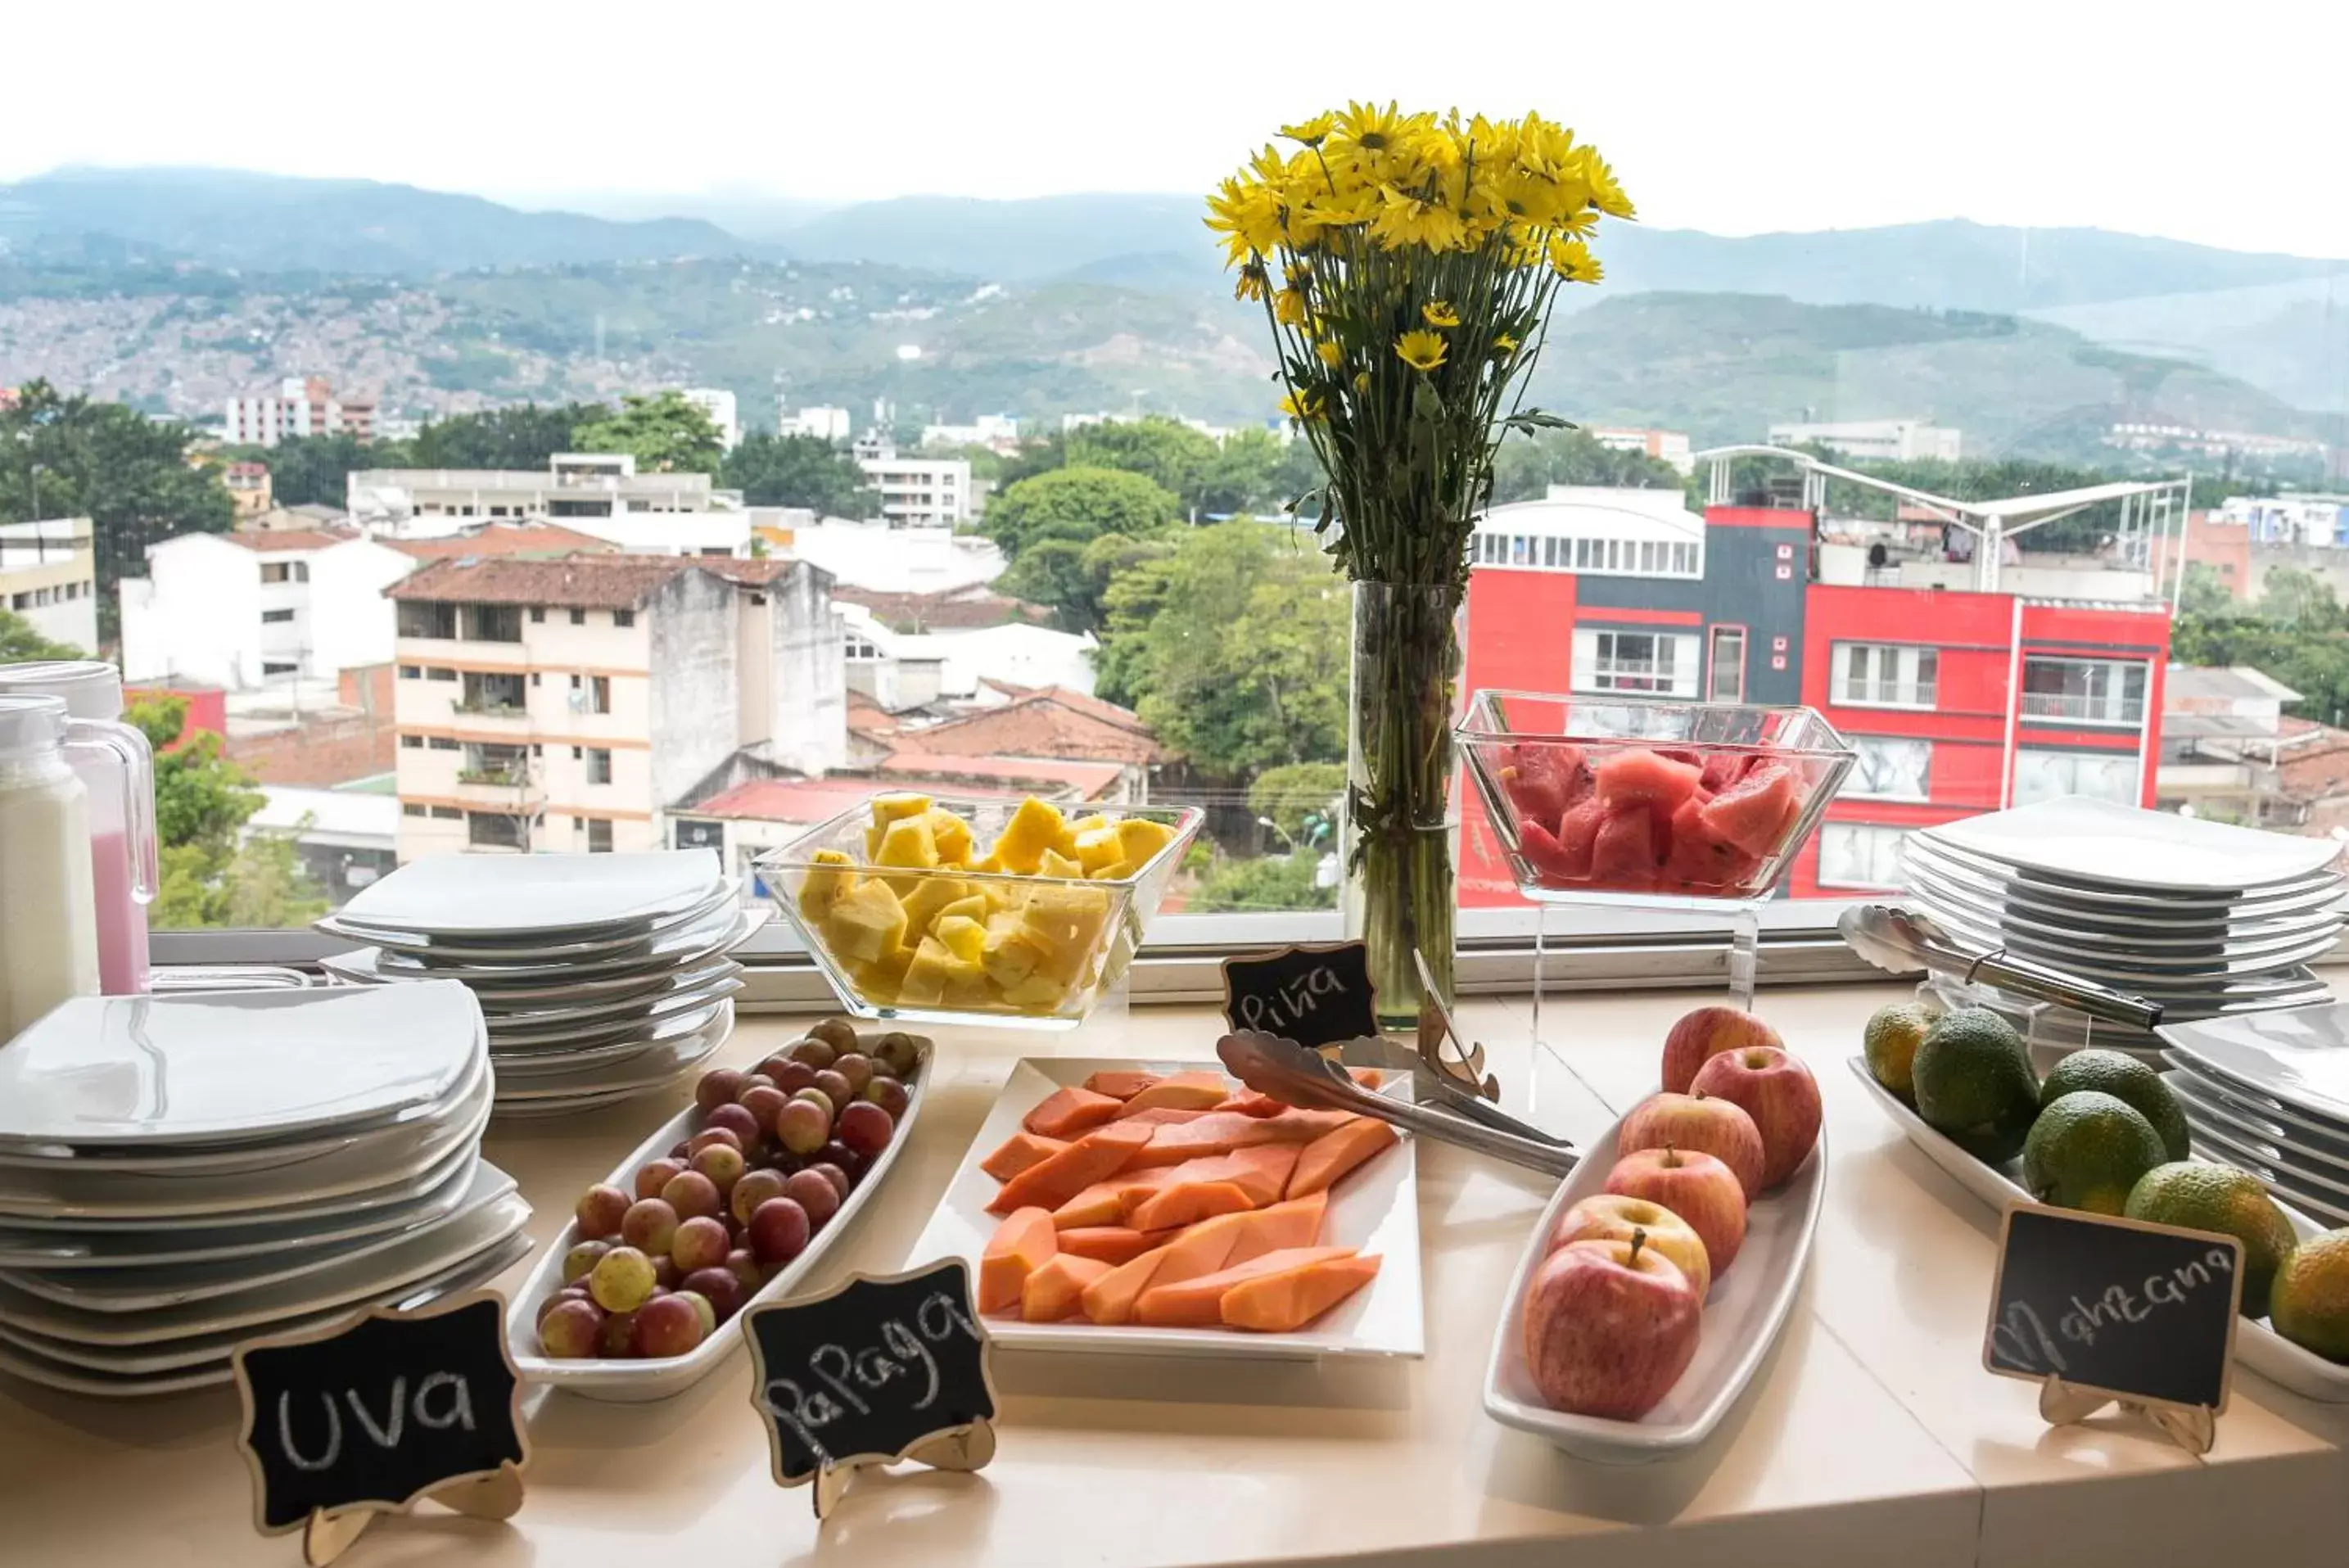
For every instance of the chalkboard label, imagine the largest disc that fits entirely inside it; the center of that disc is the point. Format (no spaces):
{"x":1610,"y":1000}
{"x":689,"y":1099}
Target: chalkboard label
{"x":1319,"y":995}
{"x":2115,"y":1306}
{"x":868,"y":1371}
{"x":378,"y":1411}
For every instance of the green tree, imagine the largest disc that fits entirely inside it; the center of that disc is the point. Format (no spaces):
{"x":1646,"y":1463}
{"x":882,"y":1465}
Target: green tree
{"x":797,"y":471}
{"x":1287,"y":795}
{"x":127,"y":473}
{"x":1265,"y":882}
{"x":312,"y":469}
{"x":1248,"y":471}
{"x":665,"y":434}
{"x":1232,"y":646}
{"x":521,"y":437}
{"x":1524,"y":469}
{"x":1077,"y":505}
{"x":19,"y":642}
{"x":211,"y":875}
{"x":1071,"y":579}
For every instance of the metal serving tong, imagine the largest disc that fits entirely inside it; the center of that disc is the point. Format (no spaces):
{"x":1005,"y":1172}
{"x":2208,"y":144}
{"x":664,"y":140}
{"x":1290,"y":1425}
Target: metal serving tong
{"x":1301,"y":1075}
{"x":1904,"y":941}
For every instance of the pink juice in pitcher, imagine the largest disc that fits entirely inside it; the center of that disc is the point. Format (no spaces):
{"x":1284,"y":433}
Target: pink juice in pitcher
{"x":121,"y":918}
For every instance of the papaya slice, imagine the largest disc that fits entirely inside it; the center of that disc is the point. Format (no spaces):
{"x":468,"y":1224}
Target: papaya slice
{"x":1328,"y":1158}
{"x":1113,"y":1244}
{"x":1017,"y":1152}
{"x":1053,"y":1182}
{"x":1296,"y":1223}
{"x":1285,"y":1301}
{"x":1066,"y":1113}
{"x":1197,"y":1302}
{"x":1120,"y":1086}
{"x":1022,"y":1244}
{"x":1200,"y":1091}
{"x":1056,"y":1290}
{"x":1187,"y":1204}
{"x":1109,"y":1300}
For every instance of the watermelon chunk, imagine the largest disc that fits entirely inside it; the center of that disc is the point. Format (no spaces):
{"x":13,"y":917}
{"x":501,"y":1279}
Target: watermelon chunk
{"x":1577,"y":836}
{"x":1723,"y":769}
{"x":1623,"y":851}
{"x":1754,"y":813}
{"x":1638,"y":776}
{"x":1543,"y":780}
{"x":1699,"y":862}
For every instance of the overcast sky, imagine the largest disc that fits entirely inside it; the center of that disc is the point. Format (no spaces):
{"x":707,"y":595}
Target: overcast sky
{"x":2227,"y":124}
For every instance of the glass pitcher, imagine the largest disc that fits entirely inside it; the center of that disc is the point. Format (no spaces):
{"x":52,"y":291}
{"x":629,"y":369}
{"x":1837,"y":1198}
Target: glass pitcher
{"x":49,"y":932}
{"x":118,"y":768}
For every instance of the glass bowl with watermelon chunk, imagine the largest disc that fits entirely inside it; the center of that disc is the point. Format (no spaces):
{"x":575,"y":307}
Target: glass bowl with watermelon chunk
{"x":923,"y":910}
{"x":1649,"y":796}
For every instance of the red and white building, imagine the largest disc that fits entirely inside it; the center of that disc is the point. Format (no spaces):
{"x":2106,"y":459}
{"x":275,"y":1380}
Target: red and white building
{"x":302,"y":406}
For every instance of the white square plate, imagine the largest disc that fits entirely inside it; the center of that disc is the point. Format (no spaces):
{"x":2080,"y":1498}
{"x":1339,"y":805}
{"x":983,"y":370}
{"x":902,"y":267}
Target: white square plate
{"x":1375,"y":1210}
{"x":472,"y":895}
{"x":1743,"y":1314}
{"x":2098,"y":841}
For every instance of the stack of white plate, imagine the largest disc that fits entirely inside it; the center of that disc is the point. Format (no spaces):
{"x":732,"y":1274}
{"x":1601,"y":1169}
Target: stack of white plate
{"x":2269,"y":1094}
{"x":603,"y":977}
{"x":180,"y":1174}
{"x":2208,"y":919}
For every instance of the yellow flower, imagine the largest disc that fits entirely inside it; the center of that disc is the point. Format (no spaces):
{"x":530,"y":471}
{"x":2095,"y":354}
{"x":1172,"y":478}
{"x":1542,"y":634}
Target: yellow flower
{"x":1247,"y":216}
{"x":1504,"y":347}
{"x":1605,"y":194}
{"x":1406,"y":220}
{"x":1362,"y":381}
{"x":1313,"y":132}
{"x":1329,"y":353}
{"x":1304,"y":405}
{"x":1439,"y":313}
{"x":1289,"y":307}
{"x":1572,"y":260}
{"x":1371,"y":128}
{"x":1420,"y":350}
{"x":1252,"y":283}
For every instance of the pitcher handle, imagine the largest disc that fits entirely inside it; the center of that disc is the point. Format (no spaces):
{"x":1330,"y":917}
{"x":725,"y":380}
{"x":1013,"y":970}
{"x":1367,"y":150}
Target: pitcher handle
{"x":131,"y":748}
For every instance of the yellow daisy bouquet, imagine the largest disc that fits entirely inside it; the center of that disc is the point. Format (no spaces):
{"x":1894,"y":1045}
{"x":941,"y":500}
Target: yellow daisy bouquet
{"x":1407,"y":264}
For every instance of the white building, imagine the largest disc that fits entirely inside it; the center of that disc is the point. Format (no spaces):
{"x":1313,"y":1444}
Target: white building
{"x":1891,"y":441}
{"x":718,"y":404}
{"x":244,"y":610}
{"x":908,"y":669}
{"x":597,"y":493}
{"x":2303,"y":519}
{"x":1665,"y":446}
{"x":564,"y":704}
{"x":998,"y":432}
{"x":916,"y":492}
{"x":345,"y":839}
{"x":893,"y":560}
{"x":823,"y":424}
{"x":1596,"y":531}
{"x":302,"y":406}
{"x":48,"y":577}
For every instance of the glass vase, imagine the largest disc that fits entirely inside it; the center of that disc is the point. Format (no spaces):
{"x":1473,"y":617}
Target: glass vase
{"x":1401,"y":816}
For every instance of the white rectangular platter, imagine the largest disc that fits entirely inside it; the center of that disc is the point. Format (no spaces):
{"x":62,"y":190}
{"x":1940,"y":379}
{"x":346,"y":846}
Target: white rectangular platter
{"x":635,"y":1382}
{"x":1743,"y":1314}
{"x":1374,"y":1210}
{"x":2257,"y":1345}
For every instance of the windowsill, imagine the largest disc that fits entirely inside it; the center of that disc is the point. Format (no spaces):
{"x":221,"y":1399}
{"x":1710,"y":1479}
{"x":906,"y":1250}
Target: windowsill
{"x":2069,"y":723}
{"x":1926,"y":707}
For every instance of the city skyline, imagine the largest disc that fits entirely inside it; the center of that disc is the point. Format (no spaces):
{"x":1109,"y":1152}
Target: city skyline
{"x":1057,"y":109}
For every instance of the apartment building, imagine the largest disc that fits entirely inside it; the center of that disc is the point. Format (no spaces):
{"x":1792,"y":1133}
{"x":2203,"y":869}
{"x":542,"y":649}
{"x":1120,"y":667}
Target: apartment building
{"x":1887,"y":441}
{"x":302,"y":406}
{"x":997,"y":433}
{"x":564,"y":704}
{"x":249,"y":488}
{"x":822,"y":424}
{"x":722,"y":409}
{"x":1958,"y":701}
{"x":916,"y":492}
{"x":48,"y":577}
{"x":597,"y":493}
{"x":245,"y":610}
{"x":1666,"y":446}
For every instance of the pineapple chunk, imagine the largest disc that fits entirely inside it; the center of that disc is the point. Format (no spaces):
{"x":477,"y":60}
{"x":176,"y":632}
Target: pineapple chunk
{"x":1098,"y":849}
{"x":1116,"y":871}
{"x":826,"y":882}
{"x":961,"y":936}
{"x":987,"y":862}
{"x":1034,"y":828}
{"x":1093,"y":823}
{"x":1037,"y":993}
{"x":925,"y":978}
{"x":1139,"y":839}
{"x":926,"y":899}
{"x":1056,"y":864}
{"x":951,"y":833}
{"x":889,"y":808}
{"x":866,"y":923}
{"x":872,"y":842}
{"x":1008,"y":954}
{"x":1066,"y":924}
{"x":972,"y":906}
{"x":908,"y":842}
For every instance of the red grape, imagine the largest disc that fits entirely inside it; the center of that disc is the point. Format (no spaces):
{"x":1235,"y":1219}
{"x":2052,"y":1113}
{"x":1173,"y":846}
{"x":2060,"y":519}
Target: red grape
{"x":795,"y":1076}
{"x":779,"y":1231}
{"x":654,"y":1174}
{"x":600,"y":1210}
{"x":669,"y":1326}
{"x":723,"y":1165}
{"x":567,"y":1293}
{"x":721,"y":1287}
{"x":803,"y":1126}
{"x":762,"y":1103}
{"x":835,"y":1088}
{"x":703,"y":1311}
{"x":743,"y":1267}
{"x":736,"y":1120}
{"x":866,"y":1127}
{"x":718,"y":1087}
{"x":665,"y":1273}
{"x":691,"y":1194}
{"x":833,"y":1174}
{"x":570,"y":1332}
{"x":898,"y":1053}
{"x":619,"y":1336}
{"x":680,"y":1151}
{"x":857,"y":1068}
{"x":581,"y":1260}
{"x":813,"y":1193}
{"x":651,"y":1222}
{"x":771,"y":1069}
{"x":890,"y":1094}
{"x":701,"y":1243}
{"x":754,"y":1189}
{"x":815,"y":1053}
{"x":837,"y":1033}
{"x":708,"y":1138}
{"x":623,"y":1279}
{"x":850,"y":1162}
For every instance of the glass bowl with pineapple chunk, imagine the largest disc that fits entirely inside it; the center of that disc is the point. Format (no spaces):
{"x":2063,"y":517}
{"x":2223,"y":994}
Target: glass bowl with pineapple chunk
{"x":925,"y":910}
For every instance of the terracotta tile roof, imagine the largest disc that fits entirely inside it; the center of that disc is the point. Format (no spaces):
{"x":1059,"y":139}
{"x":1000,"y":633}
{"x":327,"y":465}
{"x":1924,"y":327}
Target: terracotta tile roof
{"x":1089,"y":779}
{"x":1049,"y":722}
{"x":575,"y":582}
{"x":503,"y":539}
{"x":2316,"y":765}
{"x":264,"y":541}
{"x":866,"y":717}
{"x":957,"y":609}
{"x":810,"y":800}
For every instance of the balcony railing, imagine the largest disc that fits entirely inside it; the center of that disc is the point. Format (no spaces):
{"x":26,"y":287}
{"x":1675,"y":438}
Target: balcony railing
{"x":1885,"y":693}
{"x":2078,"y":708}
{"x":490,"y":707}
{"x":502,"y":778}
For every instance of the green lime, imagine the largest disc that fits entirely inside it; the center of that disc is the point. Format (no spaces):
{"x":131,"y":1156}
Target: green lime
{"x":2125,"y":1078}
{"x":1893,"y":1035}
{"x":2220,"y":1197}
{"x":2309,"y":1304}
{"x":1972,"y":1080}
{"x":2088,"y":1150}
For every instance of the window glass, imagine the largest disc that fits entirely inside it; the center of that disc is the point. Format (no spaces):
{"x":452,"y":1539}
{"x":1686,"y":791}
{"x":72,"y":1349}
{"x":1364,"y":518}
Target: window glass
{"x":1856,"y":855}
{"x":1889,"y":767}
{"x":1727,"y":671}
{"x":1885,"y":675}
{"x":2045,"y":774}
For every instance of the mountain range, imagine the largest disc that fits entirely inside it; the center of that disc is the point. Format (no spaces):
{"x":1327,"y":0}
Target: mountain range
{"x":1073,"y":303}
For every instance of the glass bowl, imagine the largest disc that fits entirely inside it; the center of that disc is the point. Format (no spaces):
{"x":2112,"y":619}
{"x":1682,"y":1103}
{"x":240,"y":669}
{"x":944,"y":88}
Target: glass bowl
{"x":977,"y":937}
{"x":1649,"y":796}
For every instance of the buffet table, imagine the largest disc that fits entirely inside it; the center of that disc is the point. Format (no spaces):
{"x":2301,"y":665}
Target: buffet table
{"x":1873,"y":1437}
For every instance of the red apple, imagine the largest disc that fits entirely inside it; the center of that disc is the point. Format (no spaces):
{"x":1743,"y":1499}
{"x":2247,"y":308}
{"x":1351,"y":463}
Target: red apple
{"x":1702,"y":1123}
{"x":1778,"y":1092}
{"x":1698,"y":1188}
{"x":1609,"y":1328}
{"x":1706,"y":1033}
{"x":1611,"y":1217}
